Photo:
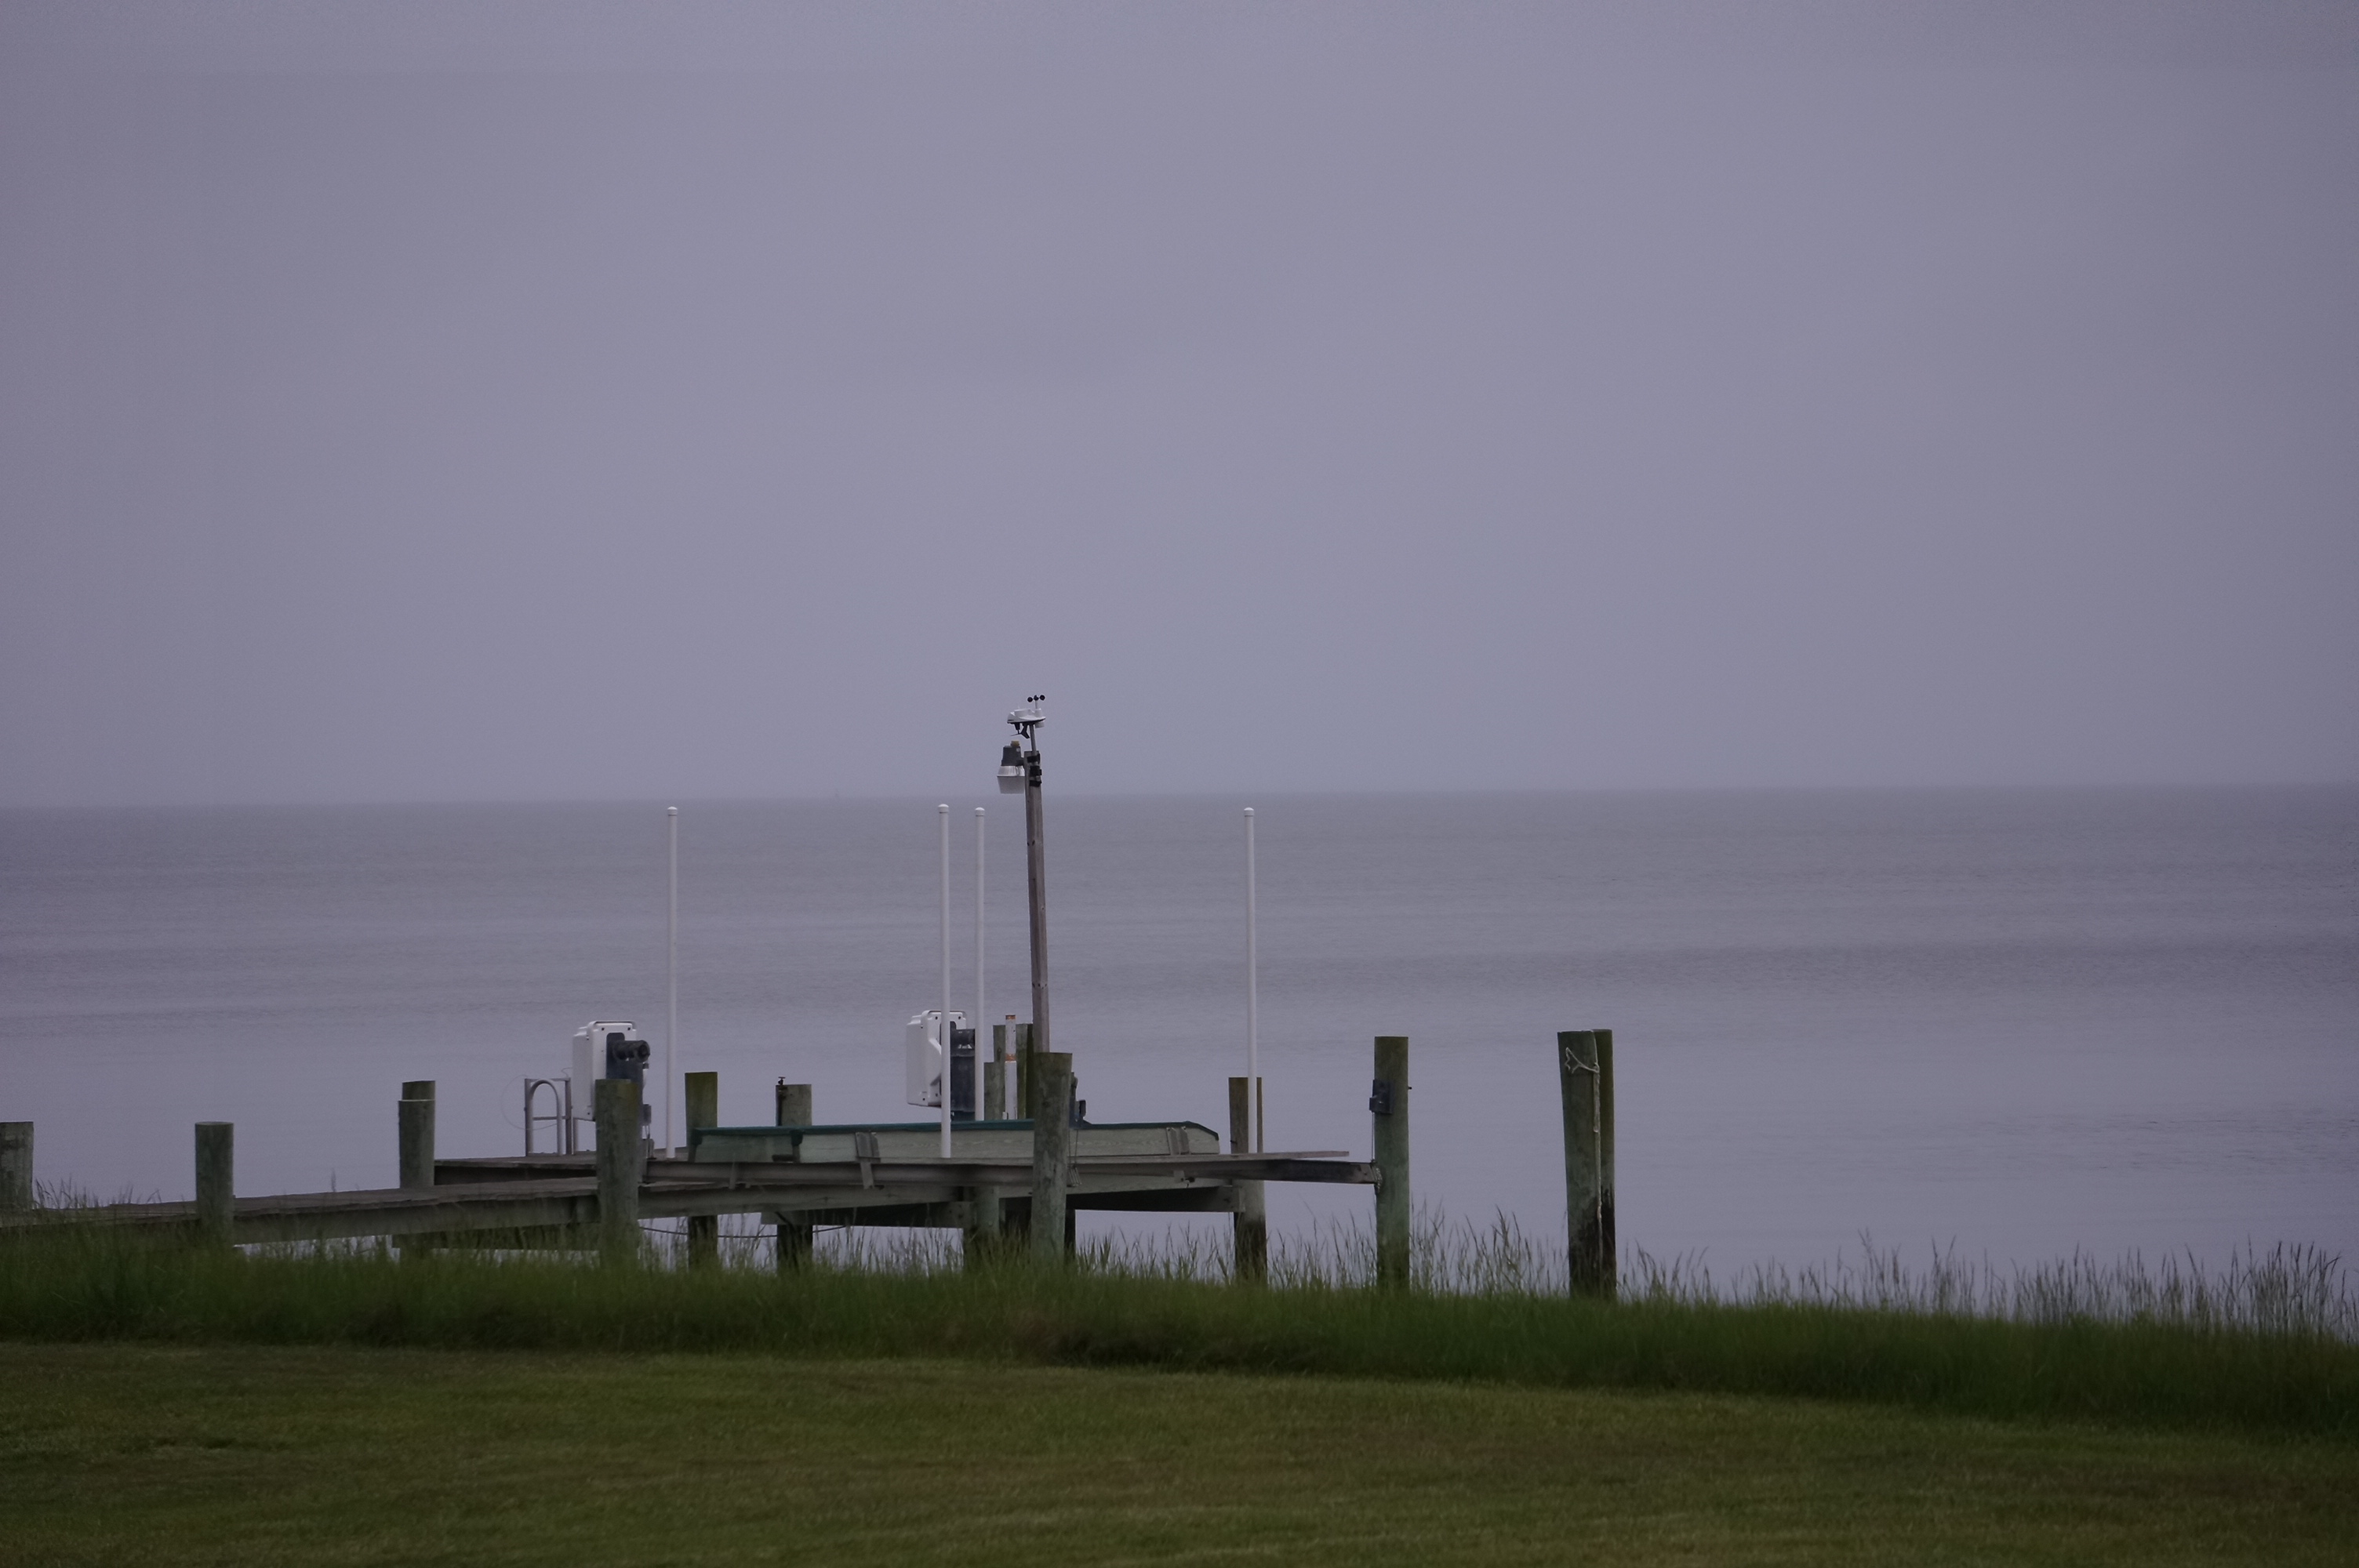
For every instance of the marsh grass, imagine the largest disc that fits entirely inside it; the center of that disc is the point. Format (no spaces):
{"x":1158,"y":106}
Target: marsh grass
{"x":2263,"y":1345}
{"x":2286,"y":1290}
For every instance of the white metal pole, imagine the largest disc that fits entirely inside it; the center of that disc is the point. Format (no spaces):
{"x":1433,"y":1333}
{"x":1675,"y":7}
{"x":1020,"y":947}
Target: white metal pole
{"x":1252,"y":986}
{"x":672,"y":980}
{"x":945,"y":1032}
{"x":981,"y":1030}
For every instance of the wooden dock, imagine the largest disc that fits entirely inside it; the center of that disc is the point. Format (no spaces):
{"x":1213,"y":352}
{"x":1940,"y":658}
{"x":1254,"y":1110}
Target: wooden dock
{"x":1003,"y":1180}
{"x":881,"y":1174}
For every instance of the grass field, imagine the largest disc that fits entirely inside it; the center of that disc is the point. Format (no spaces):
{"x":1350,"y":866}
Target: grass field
{"x":162,"y":1403}
{"x":124,"y":1455}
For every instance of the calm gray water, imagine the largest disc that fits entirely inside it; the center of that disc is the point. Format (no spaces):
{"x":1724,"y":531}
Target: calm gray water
{"x":2020,"y":1022}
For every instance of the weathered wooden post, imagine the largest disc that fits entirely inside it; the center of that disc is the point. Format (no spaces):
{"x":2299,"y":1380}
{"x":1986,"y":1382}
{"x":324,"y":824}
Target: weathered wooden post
{"x":414,"y":1130}
{"x":216,"y":1183}
{"x":1388,"y":1108}
{"x":1016,"y":1220}
{"x":702,"y":1097}
{"x":1605,"y":1158}
{"x":794,"y":1109}
{"x":794,"y":1104}
{"x":15,"y":1165}
{"x":995,"y":1076}
{"x":1250,"y":1223}
{"x":1077,"y":1110}
{"x":1588,"y":1171}
{"x":983,"y":1227}
{"x":617,"y":1107}
{"x":704,"y":1103}
{"x":1051,"y":1074}
{"x":984,"y":1219}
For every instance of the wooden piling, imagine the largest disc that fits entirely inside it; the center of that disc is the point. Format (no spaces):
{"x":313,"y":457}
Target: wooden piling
{"x":1019,"y":1052}
{"x":1016,"y":1218}
{"x":1581,"y":1086}
{"x":984,"y":1226}
{"x":416,"y":1130}
{"x":1050,"y":1076}
{"x":702,"y":1099}
{"x":1388,"y":1110}
{"x":794,"y":1104}
{"x":415,"y":1133}
{"x":1612,"y":1244}
{"x":1250,"y":1223}
{"x":15,"y":1165}
{"x":995,"y":1076}
{"x":1027,"y":1081}
{"x":986,"y":1221}
{"x":794,"y":1109}
{"x":617,"y":1107}
{"x":216,"y":1183}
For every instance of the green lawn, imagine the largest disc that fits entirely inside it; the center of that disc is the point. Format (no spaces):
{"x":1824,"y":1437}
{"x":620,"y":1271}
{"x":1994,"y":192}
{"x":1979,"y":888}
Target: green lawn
{"x":127,"y":1453}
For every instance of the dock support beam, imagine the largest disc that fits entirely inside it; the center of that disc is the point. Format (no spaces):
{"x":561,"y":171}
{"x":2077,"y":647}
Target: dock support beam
{"x":1388,"y":1110}
{"x":216,"y":1183}
{"x":1052,"y":1094}
{"x":1250,"y":1223}
{"x":1585,"y":1080}
{"x":617,"y":1107}
{"x":794,"y":1109}
{"x":15,"y":1165}
{"x":703,"y":1103}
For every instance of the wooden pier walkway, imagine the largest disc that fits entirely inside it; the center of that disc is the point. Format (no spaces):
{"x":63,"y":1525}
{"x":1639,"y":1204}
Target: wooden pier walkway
{"x":1002,"y":1180}
{"x":552,"y":1194}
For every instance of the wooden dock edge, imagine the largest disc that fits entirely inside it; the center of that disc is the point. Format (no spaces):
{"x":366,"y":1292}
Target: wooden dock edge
{"x":909,"y":1192}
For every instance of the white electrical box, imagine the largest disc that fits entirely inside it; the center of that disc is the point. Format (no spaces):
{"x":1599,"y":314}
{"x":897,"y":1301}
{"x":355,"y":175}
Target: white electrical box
{"x":588,"y":1062}
{"x":922,"y":1053}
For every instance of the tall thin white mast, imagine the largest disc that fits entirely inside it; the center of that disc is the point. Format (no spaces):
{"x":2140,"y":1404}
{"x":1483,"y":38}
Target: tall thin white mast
{"x":981,"y":1035}
{"x":1253,"y":988}
{"x":945,"y":1032}
{"x":671,"y":979}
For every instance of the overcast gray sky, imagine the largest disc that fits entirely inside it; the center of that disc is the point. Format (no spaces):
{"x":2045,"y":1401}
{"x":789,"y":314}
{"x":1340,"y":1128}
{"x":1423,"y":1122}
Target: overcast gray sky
{"x":494,"y":400}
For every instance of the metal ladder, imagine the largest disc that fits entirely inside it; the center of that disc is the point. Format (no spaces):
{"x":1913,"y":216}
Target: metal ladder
{"x":563,"y":1136}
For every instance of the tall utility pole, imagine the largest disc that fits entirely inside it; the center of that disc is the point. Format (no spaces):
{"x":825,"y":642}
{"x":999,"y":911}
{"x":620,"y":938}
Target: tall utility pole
{"x":945,"y":1032}
{"x":1019,"y":768}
